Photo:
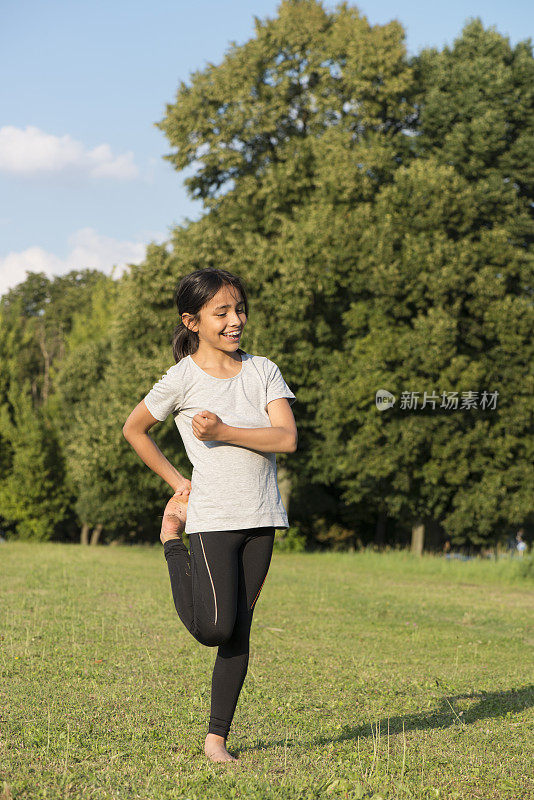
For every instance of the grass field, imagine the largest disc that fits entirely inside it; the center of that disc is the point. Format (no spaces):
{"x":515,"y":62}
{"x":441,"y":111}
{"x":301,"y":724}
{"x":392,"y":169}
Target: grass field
{"x":370,"y":675}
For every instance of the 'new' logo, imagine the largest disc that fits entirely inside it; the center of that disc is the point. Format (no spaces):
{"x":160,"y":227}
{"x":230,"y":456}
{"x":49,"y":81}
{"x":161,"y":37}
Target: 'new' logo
{"x":384,"y":399}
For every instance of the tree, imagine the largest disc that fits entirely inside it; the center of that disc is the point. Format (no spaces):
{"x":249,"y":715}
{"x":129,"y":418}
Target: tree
{"x":35,"y":495}
{"x":33,"y":498}
{"x":435,"y":313}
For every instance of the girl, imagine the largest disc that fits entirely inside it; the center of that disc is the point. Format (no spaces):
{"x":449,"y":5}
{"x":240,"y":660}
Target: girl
{"x":232,"y":410}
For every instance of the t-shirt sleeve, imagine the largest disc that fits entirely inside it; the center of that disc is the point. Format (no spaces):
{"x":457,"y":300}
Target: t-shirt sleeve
{"x":165,"y":397}
{"x":276,"y":385}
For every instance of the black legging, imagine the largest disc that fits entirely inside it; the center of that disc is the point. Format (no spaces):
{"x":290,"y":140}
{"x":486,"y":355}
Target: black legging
{"x":215,"y":588}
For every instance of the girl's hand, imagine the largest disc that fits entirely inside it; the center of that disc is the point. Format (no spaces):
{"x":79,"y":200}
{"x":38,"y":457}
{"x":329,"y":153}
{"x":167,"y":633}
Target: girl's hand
{"x":208,"y":427}
{"x":182,"y":489}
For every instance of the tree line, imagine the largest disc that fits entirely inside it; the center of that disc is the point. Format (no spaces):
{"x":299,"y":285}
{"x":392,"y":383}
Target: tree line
{"x":379,"y":209}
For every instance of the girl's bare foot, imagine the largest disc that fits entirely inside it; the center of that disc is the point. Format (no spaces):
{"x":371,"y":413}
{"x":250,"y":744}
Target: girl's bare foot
{"x":215,"y":748}
{"x":174,"y":517}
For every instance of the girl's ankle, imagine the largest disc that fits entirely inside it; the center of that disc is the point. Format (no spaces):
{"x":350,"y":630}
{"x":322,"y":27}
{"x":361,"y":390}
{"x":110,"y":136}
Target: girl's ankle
{"x":169,"y":538}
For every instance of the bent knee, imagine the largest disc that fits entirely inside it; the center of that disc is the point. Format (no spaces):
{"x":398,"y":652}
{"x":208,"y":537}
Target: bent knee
{"x":213,"y":637}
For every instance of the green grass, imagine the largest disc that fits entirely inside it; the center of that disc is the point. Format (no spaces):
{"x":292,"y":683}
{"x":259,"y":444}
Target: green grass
{"x":370,"y":675}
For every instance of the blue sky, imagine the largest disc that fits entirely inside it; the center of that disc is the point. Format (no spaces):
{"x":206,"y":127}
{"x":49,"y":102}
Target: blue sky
{"x":82,"y":178}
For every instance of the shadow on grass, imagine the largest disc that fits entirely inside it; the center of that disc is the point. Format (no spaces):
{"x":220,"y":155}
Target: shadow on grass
{"x":490,"y":705}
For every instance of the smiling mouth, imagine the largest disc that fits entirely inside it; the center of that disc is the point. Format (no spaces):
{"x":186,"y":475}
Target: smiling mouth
{"x":232,"y":336}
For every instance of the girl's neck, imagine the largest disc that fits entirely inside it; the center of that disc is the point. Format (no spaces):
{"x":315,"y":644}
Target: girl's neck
{"x":211,"y":358}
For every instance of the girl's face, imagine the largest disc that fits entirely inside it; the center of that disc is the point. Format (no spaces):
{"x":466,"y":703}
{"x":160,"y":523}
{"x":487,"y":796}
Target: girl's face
{"x":224,"y":314}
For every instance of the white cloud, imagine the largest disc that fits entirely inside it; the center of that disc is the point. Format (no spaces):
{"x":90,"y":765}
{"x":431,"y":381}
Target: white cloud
{"x":32,"y":151}
{"x":88,"y":250}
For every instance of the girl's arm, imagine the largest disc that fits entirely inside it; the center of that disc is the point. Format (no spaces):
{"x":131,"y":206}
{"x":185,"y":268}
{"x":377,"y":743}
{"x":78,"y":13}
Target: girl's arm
{"x":281,"y":437}
{"x":135,"y":432}
{"x":268,"y":440}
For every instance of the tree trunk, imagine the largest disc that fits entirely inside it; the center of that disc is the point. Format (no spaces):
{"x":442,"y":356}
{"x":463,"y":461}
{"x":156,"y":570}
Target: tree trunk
{"x":84,"y":537}
{"x":46,"y":359}
{"x":96,"y":534}
{"x":418,"y":538}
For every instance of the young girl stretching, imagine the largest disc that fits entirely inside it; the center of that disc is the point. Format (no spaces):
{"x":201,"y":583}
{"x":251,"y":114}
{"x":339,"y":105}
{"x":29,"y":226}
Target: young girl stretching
{"x":232,"y":410}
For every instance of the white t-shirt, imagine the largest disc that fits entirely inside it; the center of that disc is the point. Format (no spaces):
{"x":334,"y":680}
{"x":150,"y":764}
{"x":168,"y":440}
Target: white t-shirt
{"x":232,"y":486}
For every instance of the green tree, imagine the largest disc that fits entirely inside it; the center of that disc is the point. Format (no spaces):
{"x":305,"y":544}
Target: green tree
{"x":476,"y":109}
{"x":436,"y":313}
{"x":35,"y":316}
{"x":33,"y":499}
{"x":82,"y":406}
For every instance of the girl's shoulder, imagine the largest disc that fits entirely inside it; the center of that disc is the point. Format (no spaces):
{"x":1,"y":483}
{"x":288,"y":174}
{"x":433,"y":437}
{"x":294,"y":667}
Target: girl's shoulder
{"x":179,"y":369}
{"x":262,"y":364}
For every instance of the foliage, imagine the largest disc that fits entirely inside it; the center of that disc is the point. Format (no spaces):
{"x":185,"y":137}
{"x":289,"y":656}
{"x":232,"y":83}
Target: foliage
{"x":290,"y":540}
{"x":379,"y":211}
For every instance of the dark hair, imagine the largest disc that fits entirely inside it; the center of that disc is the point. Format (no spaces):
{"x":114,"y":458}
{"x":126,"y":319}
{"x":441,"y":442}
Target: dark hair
{"x":192,"y":293}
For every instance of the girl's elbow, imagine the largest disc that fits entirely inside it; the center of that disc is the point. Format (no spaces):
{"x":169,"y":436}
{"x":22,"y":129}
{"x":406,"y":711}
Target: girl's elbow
{"x":130,"y":430}
{"x":293,"y":444}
